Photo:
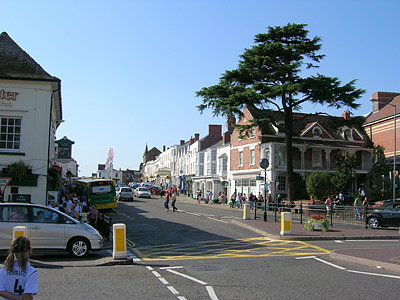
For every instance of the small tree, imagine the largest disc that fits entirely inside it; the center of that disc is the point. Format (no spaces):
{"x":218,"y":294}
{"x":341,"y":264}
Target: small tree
{"x":319,"y":185}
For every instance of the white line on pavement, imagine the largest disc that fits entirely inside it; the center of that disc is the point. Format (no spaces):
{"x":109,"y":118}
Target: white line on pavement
{"x":155,"y":273}
{"x":166,"y":268}
{"x":330,"y":264}
{"x":173,"y":290}
{"x":374,"y":274}
{"x":339,"y":242}
{"x":163,"y":280}
{"x":211,"y":293}
{"x":187,"y":276}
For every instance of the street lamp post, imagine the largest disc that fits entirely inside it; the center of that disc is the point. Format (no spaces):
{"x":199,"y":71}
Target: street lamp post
{"x":394,"y":154}
{"x":264,"y":163}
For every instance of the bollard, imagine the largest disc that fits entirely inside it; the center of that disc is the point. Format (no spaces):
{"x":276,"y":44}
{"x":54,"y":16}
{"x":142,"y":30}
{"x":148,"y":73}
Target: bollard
{"x":20,"y":231}
{"x":246,"y":211}
{"x":119,"y":241}
{"x":286,"y":223}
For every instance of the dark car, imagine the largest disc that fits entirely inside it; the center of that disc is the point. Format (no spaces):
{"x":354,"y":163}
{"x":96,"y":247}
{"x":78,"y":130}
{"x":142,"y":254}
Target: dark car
{"x":387,"y":215}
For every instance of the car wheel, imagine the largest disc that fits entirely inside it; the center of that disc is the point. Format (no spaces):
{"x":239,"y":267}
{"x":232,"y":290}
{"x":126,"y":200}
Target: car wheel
{"x":373,"y":222}
{"x":78,"y":247}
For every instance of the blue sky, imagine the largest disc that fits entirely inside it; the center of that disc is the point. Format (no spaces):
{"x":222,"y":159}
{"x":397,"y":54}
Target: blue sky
{"x":130,"y":69}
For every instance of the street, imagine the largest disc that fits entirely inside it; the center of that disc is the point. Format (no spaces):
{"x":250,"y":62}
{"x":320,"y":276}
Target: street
{"x":197,"y":253}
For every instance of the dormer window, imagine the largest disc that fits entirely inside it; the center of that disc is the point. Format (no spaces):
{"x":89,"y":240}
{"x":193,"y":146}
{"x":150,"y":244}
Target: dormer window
{"x":317,"y":132}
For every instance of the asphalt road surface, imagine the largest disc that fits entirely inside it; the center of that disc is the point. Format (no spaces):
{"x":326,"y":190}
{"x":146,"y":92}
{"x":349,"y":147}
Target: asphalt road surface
{"x":196,"y":253}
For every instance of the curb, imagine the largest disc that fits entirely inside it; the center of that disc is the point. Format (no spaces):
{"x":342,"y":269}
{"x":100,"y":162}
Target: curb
{"x":365,"y":262}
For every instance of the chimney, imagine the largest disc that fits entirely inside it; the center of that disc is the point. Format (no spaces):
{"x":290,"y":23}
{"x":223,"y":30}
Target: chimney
{"x":226,"y":137}
{"x":163,"y":148}
{"x":346,"y":115}
{"x":196,"y":137}
{"x":215,"y":130}
{"x":182,"y":142}
{"x":379,"y":99}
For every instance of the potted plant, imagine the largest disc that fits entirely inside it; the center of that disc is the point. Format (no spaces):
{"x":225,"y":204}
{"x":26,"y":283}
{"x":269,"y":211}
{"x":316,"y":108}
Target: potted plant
{"x":317,"y":222}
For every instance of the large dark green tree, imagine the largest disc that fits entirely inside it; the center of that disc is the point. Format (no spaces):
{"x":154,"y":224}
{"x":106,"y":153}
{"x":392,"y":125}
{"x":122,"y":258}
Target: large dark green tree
{"x":344,"y":176}
{"x":271,"y":74}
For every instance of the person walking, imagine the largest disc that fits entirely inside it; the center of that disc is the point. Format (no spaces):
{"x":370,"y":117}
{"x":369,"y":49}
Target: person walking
{"x":173,"y":198}
{"x":93,"y":215}
{"x":18,"y":279}
{"x":233,"y":200}
{"x":357,"y":206}
{"x":166,"y":202}
{"x":210,"y":197}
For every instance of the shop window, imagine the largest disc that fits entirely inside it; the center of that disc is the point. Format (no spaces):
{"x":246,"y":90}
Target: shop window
{"x":10,"y":134}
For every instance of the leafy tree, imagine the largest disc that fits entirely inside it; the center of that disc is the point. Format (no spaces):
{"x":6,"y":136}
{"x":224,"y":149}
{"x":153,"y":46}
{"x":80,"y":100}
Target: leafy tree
{"x":319,"y":184}
{"x":344,"y":175}
{"x":270,"y":74}
{"x":379,"y":181}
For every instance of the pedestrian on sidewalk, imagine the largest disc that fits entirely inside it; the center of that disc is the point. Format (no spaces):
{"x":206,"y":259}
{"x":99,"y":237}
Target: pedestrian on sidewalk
{"x":18,"y":280}
{"x":166,"y":202}
{"x":210,"y":197}
{"x":357,"y":206}
{"x":232,"y":202}
{"x":173,"y":197}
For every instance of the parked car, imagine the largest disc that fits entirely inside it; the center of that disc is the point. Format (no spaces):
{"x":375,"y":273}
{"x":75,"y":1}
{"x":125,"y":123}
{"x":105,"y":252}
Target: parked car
{"x":157,"y":190}
{"x":125,"y":194}
{"x":386,"y":215}
{"x":142,"y":192}
{"x":48,"y":229}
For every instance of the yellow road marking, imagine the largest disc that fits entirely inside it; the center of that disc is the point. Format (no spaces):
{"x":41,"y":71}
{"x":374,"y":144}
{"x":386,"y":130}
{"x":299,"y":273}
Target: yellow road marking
{"x":250,"y":247}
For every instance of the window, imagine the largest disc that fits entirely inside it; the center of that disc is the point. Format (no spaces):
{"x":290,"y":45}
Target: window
{"x":213,"y":168}
{"x":252,"y":157}
{"x":240,"y":158}
{"x":214,"y":154}
{"x":201,"y":157}
{"x":201,"y":170}
{"x":282,"y":183}
{"x":316,"y":132}
{"x":10,"y":136}
{"x":281,"y":156}
{"x":252,"y":132}
{"x":317,"y":158}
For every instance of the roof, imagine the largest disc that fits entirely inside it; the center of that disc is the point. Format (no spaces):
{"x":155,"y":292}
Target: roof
{"x":16,"y":64}
{"x":303,"y":122}
{"x":386,"y":111}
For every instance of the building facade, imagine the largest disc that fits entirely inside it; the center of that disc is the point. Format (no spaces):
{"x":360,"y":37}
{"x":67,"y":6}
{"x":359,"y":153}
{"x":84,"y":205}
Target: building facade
{"x":30,"y":113}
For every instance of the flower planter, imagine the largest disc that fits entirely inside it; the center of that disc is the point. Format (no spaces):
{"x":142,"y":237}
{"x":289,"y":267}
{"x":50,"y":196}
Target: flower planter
{"x":317,"y":226}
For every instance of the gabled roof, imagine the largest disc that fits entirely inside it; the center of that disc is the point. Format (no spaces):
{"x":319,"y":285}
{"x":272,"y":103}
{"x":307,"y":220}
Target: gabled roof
{"x":302,"y":122}
{"x":16,"y":64}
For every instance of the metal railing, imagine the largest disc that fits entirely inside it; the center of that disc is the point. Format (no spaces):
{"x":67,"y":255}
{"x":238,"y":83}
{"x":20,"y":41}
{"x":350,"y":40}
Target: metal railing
{"x":337,"y":215}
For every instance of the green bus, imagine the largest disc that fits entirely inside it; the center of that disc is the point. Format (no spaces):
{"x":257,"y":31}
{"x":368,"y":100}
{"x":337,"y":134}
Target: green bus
{"x":97,"y":191}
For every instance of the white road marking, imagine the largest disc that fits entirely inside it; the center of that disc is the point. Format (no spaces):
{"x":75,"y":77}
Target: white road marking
{"x":351,"y":271}
{"x":181,"y":298}
{"x":330,"y":264}
{"x":187,"y":276}
{"x":166,"y":268}
{"x":374,"y":274}
{"x":211,"y":292}
{"x":163,"y":280}
{"x":173,"y":290}
{"x":216,"y":220}
{"x":155,"y":273}
{"x":149,"y":268}
{"x":339,"y":242}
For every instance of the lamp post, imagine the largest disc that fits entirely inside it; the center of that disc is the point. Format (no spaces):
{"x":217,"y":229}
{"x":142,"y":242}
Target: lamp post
{"x":394,"y":154}
{"x":264,"y":163}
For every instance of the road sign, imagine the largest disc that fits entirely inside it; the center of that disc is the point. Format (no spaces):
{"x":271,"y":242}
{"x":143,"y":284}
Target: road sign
{"x":4,"y":181}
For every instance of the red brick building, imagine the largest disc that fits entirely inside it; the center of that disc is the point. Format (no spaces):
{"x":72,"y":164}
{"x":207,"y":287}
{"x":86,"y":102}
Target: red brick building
{"x":379,"y":125}
{"x":315,"y":143}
